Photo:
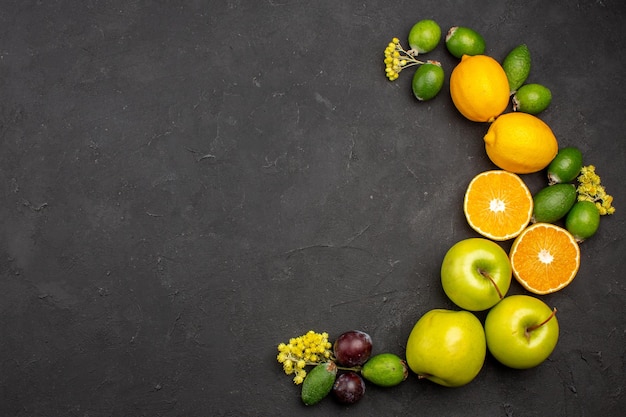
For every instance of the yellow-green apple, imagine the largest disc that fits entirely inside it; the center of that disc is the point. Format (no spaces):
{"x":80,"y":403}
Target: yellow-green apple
{"x":447,"y":347}
{"x":476,"y":274}
{"x":522,"y":331}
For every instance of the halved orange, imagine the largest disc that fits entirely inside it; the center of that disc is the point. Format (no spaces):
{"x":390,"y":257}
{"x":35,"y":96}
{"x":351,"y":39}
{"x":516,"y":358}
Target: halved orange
{"x":498,"y":204}
{"x":545,"y":258}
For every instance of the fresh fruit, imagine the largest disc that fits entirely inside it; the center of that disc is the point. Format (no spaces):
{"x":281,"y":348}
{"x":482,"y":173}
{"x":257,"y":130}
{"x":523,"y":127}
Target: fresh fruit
{"x":479,"y":88}
{"x":424,"y":36}
{"x":349,"y":388}
{"x":565,"y":166}
{"x":318,"y":383}
{"x":385,"y":370}
{"x":352,"y":348}
{"x":498,"y":204}
{"x":532,"y":98}
{"x":553,"y":202}
{"x":545,"y":258}
{"x":516,"y":65}
{"x":476,"y":274}
{"x":522,"y":331}
{"x":447,"y":347}
{"x":520,"y":143}
{"x":583,"y":220}
{"x":427,"y":80}
{"x":464,"y":41}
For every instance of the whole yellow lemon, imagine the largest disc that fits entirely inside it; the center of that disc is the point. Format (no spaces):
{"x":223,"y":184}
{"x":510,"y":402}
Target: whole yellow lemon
{"x":520,"y":143}
{"x":479,"y":88}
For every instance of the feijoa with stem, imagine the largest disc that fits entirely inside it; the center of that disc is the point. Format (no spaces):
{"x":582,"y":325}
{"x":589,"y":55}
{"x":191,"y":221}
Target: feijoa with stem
{"x":427,"y":80}
{"x":565,"y":166}
{"x":462,"y":40}
{"x":424,"y":36}
{"x":532,"y":98}
{"x":385,"y":370}
{"x":553,"y":202}
{"x":516,"y":65}
{"x":583,"y":220}
{"x":318,"y":383}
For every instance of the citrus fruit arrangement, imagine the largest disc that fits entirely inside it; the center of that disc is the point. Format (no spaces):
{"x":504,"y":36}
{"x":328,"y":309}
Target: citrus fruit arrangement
{"x":449,"y":347}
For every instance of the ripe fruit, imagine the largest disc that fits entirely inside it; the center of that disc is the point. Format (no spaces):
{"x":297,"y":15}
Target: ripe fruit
{"x":349,"y":388}
{"x":545,"y":258}
{"x":424,"y":36}
{"x":427,"y":80}
{"x":516,"y":65}
{"x":476,"y":274}
{"x":479,"y":88}
{"x":565,"y":166}
{"x":498,"y":204}
{"x":520,"y":143}
{"x":464,"y":41}
{"x":532,"y":99}
{"x":447,"y":347}
{"x":318,"y":383}
{"x":385,"y":370}
{"x":352,"y":348}
{"x":553,"y":202}
{"x":521,"y":331}
{"x":583,"y":220}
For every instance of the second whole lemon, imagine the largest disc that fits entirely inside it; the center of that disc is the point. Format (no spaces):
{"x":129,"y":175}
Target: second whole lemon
{"x":479,"y":88}
{"x":520,"y":143}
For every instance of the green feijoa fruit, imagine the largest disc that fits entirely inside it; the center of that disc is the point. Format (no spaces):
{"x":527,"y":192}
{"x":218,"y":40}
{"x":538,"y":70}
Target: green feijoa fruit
{"x":553,"y":202}
{"x":532,"y":98}
{"x":565,"y":166}
{"x":583,"y":220}
{"x":424,"y":36}
{"x":516,"y":66}
{"x":318,"y":383}
{"x":464,"y":41}
{"x":385,"y":370}
{"x":427,"y":80}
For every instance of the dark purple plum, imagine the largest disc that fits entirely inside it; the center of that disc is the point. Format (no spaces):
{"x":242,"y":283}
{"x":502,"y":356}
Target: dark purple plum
{"x":352,"y":348}
{"x":349,"y":388}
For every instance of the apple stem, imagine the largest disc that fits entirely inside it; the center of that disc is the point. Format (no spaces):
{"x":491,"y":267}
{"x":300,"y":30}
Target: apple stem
{"x":486,"y":275}
{"x":536,"y":326}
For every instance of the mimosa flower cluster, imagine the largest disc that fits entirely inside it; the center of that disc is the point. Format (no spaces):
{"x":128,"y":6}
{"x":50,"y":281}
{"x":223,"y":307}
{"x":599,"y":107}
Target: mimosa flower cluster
{"x":590,"y":189}
{"x":397,"y":59}
{"x":311,"y":348}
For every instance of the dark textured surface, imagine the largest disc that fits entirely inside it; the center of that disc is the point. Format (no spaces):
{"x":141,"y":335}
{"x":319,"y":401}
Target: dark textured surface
{"x":186,"y":184}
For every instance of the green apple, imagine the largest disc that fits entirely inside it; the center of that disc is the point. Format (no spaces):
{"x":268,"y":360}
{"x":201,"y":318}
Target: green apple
{"x":521,"y":331}
{"x":447,"y":347}
{"x":476,"y":274}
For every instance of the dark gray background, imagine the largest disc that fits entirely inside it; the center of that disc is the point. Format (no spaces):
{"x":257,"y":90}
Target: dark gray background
{"x":187,"y":184}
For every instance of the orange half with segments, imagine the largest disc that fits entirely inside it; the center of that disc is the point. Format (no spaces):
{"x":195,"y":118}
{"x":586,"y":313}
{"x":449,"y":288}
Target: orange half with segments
{"x":498,"y":204}
{"x":545,"y":258}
